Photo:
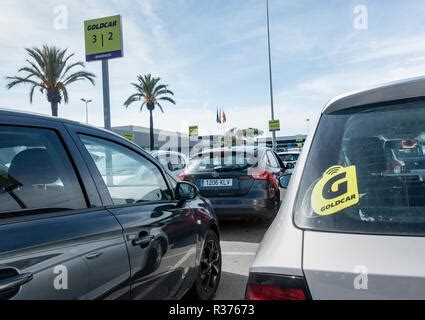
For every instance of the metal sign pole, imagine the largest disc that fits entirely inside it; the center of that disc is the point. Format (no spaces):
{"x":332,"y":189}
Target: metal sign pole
{"x":106,"y":95}
{"x":274,"y":144}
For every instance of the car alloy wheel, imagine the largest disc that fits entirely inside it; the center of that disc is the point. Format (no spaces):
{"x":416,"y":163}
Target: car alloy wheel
{"x":210,"y":266}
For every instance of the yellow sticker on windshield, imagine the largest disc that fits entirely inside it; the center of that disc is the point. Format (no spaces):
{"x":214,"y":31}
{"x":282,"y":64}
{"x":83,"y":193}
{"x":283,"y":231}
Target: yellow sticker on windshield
{"x":335,"y":191}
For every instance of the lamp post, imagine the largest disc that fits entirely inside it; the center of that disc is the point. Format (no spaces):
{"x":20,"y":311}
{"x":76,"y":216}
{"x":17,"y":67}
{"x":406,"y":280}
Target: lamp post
{"x":87,"y":108}
{"x":274,"y":145}
{"x":308,"y":125}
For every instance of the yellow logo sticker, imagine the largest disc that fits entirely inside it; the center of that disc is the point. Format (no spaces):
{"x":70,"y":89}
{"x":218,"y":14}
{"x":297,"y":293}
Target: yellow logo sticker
{"x":335,"y":191}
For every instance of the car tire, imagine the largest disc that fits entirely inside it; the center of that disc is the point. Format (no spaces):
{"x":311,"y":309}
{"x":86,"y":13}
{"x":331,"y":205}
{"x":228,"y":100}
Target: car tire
{"x":209,"y":273}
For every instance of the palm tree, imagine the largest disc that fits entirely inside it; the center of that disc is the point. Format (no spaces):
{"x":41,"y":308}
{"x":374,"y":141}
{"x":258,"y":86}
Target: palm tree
{"x":150,"y":93}
{"x":49,"y":70}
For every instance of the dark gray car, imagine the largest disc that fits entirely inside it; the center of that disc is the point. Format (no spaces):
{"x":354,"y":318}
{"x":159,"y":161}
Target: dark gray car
{"x":85,"y":214}
{"x":240,"y":182}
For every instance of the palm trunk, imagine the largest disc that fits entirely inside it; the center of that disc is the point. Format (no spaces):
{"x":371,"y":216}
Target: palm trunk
{"x":152,"y":142}
{"x":54,"y":106}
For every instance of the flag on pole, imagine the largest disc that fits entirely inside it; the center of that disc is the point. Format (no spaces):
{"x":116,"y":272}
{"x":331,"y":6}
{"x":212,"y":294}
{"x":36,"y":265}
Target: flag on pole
{"x":218,"y":117}
{"x":223,"y":117}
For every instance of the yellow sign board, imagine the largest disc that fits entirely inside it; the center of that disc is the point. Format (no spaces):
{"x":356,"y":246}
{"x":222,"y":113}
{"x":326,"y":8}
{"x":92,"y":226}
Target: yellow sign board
{"x":129,"y":136}
{"x":103,"y":38}
{"x":193,"y":131}
{"x":274,"y":125}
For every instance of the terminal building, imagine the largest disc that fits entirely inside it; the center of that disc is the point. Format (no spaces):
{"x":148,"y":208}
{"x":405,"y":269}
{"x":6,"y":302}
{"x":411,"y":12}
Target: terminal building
{"x":286,"y":143}
{"x":180,"y":142}
{"x":162,"y":138}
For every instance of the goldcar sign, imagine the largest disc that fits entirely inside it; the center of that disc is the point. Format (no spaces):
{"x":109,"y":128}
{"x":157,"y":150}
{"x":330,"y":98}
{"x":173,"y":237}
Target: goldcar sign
{"x":193,"y":131}
{"x":103,"y":38}
{"x":274,"y":125}
{"x":129,"y":136}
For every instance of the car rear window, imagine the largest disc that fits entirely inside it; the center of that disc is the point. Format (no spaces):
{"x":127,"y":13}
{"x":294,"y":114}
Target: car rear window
{"x":227,"y":159}
{"x":365,"y":172}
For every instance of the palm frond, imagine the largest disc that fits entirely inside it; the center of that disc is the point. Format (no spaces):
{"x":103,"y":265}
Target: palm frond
{"x":141,"y":107}
{"x":71,"y":66}
{"x":65,"y":94}
{"x":164,"y":92}
{"x":80,"y":75}
{"x":34,"y":86}
{"x":37,"y":55}
{"x":133,"y":98}
{"x":159,"y":88}
{"x":140,"y":88}
{"x":167,"y":99}
{"x":160,"y":107}
{"x":64,"y":64}
{"x":35,"y":69}
{"x":14,"y":81}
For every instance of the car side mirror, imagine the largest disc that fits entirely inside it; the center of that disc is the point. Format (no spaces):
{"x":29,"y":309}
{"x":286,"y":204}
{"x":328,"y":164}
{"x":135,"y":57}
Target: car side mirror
{"x":186,"y":191}
{"x":284,"y":181}
{"x":290,"y":165}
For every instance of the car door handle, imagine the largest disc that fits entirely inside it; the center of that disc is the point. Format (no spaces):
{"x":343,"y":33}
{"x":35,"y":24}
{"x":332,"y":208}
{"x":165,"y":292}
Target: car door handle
{"x":143,"y":241}
{"x":94,"y":255}
{"x":15,"y":281}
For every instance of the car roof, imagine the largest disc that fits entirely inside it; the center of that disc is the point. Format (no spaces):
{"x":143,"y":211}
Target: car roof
{"x":162,"y":152}
{"x":33,"y":115}
{"x":288,"y":152}
{"x":393,"y":91}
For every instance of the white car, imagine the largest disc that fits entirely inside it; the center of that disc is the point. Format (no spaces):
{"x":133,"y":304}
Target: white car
{"x":174,"y":161}
{"x":349,"y":227}
{"x":289,"y":158}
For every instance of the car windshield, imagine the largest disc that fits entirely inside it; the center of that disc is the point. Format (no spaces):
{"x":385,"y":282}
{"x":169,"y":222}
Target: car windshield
{"x":222,"y":160}
{"x":365,"y":172}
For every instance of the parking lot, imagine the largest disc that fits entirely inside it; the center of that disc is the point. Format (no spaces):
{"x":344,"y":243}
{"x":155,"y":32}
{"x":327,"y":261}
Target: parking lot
{"x":147,"y":147}
{"x":239,"y":243}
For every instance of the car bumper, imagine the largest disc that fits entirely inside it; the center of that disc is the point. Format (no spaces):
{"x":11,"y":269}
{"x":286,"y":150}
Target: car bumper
{"x":239,"y":208}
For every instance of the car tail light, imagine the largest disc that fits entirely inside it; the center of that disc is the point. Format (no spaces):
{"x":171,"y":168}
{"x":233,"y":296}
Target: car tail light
{"x":181,"y":176}
{"x":260,"y":174}
{"x":275,"y":287}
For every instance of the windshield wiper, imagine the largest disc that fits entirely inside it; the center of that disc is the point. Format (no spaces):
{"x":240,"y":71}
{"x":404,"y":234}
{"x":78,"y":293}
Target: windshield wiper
{"x":231,"y":167}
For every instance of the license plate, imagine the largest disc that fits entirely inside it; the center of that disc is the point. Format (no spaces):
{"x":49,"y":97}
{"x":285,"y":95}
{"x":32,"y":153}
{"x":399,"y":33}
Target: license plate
{"x":215,"y":183}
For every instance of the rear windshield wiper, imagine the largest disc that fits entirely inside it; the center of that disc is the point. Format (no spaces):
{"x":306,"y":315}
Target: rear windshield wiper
{"x":231,"y":167}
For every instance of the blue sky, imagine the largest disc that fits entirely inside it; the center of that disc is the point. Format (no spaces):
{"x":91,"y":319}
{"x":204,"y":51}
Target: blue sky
{"x":214,"y":54}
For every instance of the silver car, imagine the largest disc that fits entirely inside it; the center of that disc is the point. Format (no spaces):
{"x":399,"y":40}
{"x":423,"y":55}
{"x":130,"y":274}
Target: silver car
{"x":352,"y":225}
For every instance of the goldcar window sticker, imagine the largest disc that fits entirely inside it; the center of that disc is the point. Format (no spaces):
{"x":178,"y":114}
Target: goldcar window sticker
{"x":335,"y":191}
